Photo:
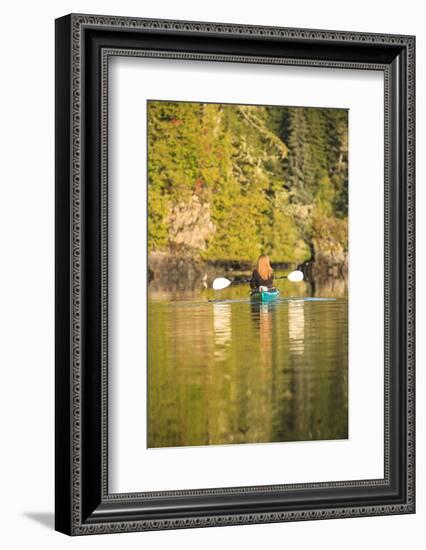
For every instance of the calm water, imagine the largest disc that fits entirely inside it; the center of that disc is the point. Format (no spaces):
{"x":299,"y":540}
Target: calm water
{"x":236,"y":372}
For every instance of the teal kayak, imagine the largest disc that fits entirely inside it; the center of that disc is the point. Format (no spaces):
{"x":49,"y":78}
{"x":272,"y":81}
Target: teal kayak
{"x":265,"y":296}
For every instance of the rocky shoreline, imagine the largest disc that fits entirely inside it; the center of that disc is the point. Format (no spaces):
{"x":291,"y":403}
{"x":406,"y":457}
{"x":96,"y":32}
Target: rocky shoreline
{"x":174,"y":272}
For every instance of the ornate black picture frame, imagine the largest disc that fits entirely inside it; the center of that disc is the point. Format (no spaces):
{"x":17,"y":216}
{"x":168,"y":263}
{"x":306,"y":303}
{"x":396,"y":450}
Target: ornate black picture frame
{"x":84,"y":44}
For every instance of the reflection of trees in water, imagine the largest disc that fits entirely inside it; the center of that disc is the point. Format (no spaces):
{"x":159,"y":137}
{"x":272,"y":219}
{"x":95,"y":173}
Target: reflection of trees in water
{"x":178,"y":373}
{"x":236,"y":373}
{"x":261,"y":399}
{"x":310,"y":389}
{"x":319,"y":375}
{"x":330,"y":287}
{"x":243,"y":406}
{"x":295,"y":409}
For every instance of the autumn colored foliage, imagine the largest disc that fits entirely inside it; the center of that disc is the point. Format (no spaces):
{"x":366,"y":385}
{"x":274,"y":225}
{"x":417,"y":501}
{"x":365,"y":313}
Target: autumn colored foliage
{"x":263,"y":178}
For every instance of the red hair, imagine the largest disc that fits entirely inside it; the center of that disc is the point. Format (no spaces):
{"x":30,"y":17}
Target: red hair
{"x":264,"y":267}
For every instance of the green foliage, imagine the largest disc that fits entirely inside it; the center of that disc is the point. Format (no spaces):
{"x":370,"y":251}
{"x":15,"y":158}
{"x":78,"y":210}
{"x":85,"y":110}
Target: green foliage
{"x":267,"y":173}
{"x":325,"y":196}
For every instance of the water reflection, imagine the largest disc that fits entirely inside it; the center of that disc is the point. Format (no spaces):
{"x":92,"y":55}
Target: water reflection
{"x":296,"y":326}
{"x":242,"y":372}
{"x":222,"y":323}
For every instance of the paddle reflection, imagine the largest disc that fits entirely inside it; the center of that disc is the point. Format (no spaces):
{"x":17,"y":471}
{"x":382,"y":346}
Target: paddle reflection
{"x":241,"y":372}
{"x":222,"y":323}
{"x":296,"y":326}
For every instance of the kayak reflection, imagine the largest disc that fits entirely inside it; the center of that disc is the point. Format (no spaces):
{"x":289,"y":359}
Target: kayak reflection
{"x":244,"y":372}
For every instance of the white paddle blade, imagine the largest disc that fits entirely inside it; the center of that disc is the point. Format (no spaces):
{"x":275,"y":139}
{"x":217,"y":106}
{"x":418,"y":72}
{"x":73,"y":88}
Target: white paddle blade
{"x":295,"y":276}
{"x":221,"y":283}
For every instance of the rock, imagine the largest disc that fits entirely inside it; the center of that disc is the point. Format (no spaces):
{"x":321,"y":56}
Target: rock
{"x":178,"y":271}
{"x":329,"y":251}
{"x":190,"y":224}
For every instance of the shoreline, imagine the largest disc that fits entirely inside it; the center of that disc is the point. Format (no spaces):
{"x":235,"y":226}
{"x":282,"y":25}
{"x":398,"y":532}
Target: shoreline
{"x":186,"y":272}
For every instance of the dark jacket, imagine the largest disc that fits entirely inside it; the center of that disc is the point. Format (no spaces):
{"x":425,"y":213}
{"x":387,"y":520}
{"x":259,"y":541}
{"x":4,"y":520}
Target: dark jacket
{"x":256,"y":280}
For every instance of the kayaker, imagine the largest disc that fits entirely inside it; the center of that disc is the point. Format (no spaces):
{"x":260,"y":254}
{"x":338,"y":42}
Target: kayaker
{"x":263,"y":275}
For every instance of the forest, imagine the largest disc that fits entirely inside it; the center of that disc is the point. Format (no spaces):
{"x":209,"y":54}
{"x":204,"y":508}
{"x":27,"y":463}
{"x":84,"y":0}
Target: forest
{"x":229,"y":182}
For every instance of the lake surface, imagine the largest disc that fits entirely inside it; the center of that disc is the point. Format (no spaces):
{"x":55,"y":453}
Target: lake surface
{"x":232,"y":371}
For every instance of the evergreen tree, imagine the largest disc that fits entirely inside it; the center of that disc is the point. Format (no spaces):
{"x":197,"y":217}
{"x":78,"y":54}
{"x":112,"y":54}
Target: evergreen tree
{"x":271,"y":176}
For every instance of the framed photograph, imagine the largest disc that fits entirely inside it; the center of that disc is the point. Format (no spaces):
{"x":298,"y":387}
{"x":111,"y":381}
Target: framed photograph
{"x":234,"y":274}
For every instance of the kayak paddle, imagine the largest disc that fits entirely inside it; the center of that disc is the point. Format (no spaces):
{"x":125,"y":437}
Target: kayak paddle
{"x":220,"y":283}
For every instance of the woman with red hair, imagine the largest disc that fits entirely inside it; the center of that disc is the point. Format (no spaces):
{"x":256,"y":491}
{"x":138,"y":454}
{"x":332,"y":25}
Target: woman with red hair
{"x":263,"y":275}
